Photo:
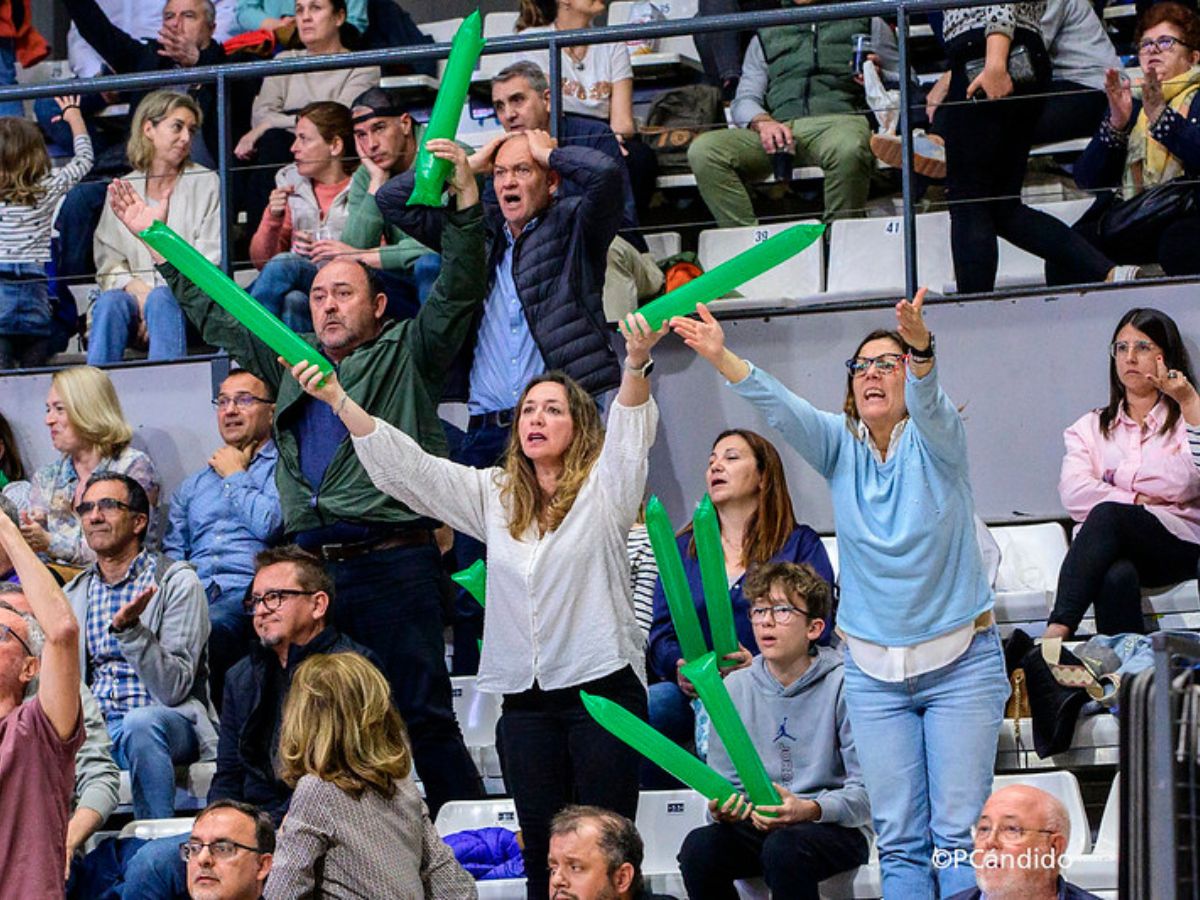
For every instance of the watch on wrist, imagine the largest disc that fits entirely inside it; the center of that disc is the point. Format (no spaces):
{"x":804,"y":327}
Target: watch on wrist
{"x":642,"y":371}
{"x":924,"y":355}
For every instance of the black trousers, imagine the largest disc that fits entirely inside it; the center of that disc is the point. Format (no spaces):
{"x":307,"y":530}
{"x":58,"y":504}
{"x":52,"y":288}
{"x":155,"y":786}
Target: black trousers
{"x":987,"y":151}
{"x":792,"y":860}
{"x":1173,"y":247}
{"x":1119,"y":549}
{"x":553,"y":753}
{"x":1071,"y":111}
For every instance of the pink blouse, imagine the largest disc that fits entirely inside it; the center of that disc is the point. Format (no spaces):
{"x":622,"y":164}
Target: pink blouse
{"x":1132,"y":460}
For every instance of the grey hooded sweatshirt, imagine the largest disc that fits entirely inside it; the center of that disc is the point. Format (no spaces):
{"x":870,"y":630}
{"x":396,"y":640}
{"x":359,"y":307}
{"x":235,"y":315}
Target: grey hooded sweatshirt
{"x":802,"y":734}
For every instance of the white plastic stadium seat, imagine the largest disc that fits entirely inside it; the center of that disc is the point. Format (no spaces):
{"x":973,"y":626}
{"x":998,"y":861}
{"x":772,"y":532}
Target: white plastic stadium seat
{"x":664,"y":819}
{"x":149,"y":829}
{"x":800,"y":276}
{"x":673,"y":52}
{"x":1030,"y":557}
{"x":1018,"y":268}
{"x":461,"y":815}
{"x":1097,"y":871}
{"x":1065,"y":787}
{"x":496,"y":24}
{"x":1096,"y":742}
{"x":442,"y":32}
{"x":663,"y":244}
{"x":1176,"y":607}
{"x":866,"y":256}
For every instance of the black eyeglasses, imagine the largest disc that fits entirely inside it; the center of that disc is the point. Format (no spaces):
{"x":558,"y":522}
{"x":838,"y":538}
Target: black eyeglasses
{"x":272,"y":600}
{"x":242,"y":401}
{"x":104,"y":504}
{"x":1163,"y":44}
{"x":884,"y":364}
{"x":221,"y":849}
{"x":6,"y":633}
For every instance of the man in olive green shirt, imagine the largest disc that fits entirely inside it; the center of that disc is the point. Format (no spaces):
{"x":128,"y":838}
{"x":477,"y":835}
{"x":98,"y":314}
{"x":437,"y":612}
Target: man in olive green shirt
{"x":381,"y":555}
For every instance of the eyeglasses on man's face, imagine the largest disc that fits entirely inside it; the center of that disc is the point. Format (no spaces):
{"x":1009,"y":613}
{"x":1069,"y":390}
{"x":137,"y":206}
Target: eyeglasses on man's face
{"x":884,"y":364}
{"x":241,"y":401}
{"x":104,"y":504}
{"x":222,"y":849}
{"x":780,"y":615}
{"x":6,"y":632}
{"x":1008,"y":833}
{"x":272,"y":600}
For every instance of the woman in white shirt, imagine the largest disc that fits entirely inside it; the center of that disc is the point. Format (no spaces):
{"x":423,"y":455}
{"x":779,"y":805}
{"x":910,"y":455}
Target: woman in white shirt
{"x":597,"y":79}
{"x":555,"y":516}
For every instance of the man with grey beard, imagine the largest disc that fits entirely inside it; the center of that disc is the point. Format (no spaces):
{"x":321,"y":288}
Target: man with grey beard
{"x":290,"y":601}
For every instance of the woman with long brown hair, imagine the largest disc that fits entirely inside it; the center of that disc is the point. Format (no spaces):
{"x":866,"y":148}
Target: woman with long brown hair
{"x":745,"y":480}
{"x":356,"y":825}
{"x":555,"y":517}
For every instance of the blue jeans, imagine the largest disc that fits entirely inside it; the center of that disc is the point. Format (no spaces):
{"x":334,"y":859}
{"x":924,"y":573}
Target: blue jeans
{"x":156,"y":872}
{"x":150,"y":741}
{"x":390,"y":601}
{"x":8,"y":75}
{"x":115,"y":321}
{"x":282,"y":287}
{"x":927,"y":746}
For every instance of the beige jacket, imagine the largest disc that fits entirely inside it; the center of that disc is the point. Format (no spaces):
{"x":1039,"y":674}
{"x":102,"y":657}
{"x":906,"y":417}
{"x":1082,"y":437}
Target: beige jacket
{"x":281,"y":97}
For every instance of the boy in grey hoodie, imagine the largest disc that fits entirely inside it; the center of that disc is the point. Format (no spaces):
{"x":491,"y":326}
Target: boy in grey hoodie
{"x":791,"y":700}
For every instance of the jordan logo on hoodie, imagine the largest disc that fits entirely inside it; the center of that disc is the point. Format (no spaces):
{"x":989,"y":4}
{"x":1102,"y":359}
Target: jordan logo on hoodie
{"x":785,"y":752}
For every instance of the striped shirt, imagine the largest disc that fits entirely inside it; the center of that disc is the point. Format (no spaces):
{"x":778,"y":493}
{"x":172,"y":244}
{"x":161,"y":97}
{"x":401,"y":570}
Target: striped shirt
{"x":25,"y":230}
{"x":114,"y":680}
{"x":1193,"y":438}
{"x":643,"y":572}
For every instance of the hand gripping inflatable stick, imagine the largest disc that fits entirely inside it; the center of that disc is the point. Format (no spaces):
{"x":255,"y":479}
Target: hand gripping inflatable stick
{"x":222,"y":289}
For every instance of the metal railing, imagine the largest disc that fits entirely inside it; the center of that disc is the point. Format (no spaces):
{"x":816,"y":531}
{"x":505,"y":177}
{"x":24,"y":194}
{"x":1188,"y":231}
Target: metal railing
{"x":224,"y":75}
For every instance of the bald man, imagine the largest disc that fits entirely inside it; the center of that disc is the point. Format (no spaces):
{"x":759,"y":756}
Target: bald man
{"x":1020,"y":839}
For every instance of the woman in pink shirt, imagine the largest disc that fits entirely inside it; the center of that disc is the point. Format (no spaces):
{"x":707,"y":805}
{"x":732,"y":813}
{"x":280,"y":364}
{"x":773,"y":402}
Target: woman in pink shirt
{"x":303,"y":221}
{"x":1129,"y":479}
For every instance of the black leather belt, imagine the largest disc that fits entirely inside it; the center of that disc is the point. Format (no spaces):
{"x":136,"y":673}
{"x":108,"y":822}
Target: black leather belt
{"x":500,"y":419}
{"x":412,"y":537}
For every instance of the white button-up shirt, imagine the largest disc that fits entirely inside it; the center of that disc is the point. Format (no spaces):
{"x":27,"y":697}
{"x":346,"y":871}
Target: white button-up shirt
{"x":559,"y":606}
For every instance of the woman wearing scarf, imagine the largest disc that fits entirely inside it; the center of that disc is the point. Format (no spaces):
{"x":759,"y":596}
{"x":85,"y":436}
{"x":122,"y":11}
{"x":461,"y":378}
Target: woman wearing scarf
{"x":1142,"y":145}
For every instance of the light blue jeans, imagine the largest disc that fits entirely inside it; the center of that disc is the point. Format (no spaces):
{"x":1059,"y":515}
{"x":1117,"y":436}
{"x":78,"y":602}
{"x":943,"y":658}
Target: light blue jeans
{"x":282,"y":287}
{"x":150,"y":741}
{"x":115,"y":321}
{"x":927,"y":746}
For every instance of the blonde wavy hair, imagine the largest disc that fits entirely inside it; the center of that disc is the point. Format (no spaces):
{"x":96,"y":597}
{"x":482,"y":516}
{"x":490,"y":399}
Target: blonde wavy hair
{"x":93,"y":408}
{"x":339,"y":724}
{"x":24,"y":162}
{"x":519,"y":489}
{"x":155,"y":107}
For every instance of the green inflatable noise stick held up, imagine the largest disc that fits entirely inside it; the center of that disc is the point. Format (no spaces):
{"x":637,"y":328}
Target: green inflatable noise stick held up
{"x":707,"y":532}
{"x":706,"y":678}
{"x":226,"y":292}
{"x":657,"y":748}
{"x":730,"y":274}
{"x":430,"y":173}
{"x":473,"y":579}
{"x":674,"y":581}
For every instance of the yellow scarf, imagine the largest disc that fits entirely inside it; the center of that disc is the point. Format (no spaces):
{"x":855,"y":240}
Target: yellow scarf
{"x":1147,"y":162}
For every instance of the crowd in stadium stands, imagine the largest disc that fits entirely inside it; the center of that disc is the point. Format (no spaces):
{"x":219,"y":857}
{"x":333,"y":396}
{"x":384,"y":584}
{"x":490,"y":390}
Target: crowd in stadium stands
{"x":281,"y":614}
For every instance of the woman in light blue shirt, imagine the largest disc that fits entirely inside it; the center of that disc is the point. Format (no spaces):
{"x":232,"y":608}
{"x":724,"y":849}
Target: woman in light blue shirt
{"x":925,"y":678}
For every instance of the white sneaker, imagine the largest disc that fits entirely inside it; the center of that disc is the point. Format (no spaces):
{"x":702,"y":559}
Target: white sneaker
{"x":1124,"y":273}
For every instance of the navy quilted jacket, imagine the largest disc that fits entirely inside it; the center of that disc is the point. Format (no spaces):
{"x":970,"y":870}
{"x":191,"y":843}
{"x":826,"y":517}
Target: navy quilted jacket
{"x":558,"y":265}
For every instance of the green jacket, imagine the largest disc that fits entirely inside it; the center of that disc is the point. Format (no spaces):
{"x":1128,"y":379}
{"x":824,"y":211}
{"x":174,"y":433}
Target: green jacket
{"x":809,"y":69}
{"x":366,"y":229}
{"x":398,"y":377}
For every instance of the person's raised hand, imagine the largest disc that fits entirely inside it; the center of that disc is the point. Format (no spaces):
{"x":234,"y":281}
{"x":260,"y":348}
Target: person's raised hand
{"x":541,"y":145}
{"x":131,"y":209}
{"x":173,"y":45}
{"x":278,"y":200}
{"x":1175,"y":385}
{"x":704,"y":335}
{"x":484,"y":158}
{"x":34,"y":533}
{"x":323,"y":387}
{"x":245,"y":148}
{"x":462,"y":179}
{"x":736,"y":808}
{"x":910,"y":321}
{"x":129,"y":614}
{"x":791,"y":811}
{"x":640,"y":338}
{"x":1153,"y":101}
{"x":1120,"y":98}
{"x":68,"y":109}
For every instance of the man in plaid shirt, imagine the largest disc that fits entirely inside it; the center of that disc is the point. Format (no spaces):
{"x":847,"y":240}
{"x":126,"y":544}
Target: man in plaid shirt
{"x":145,"y":622}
